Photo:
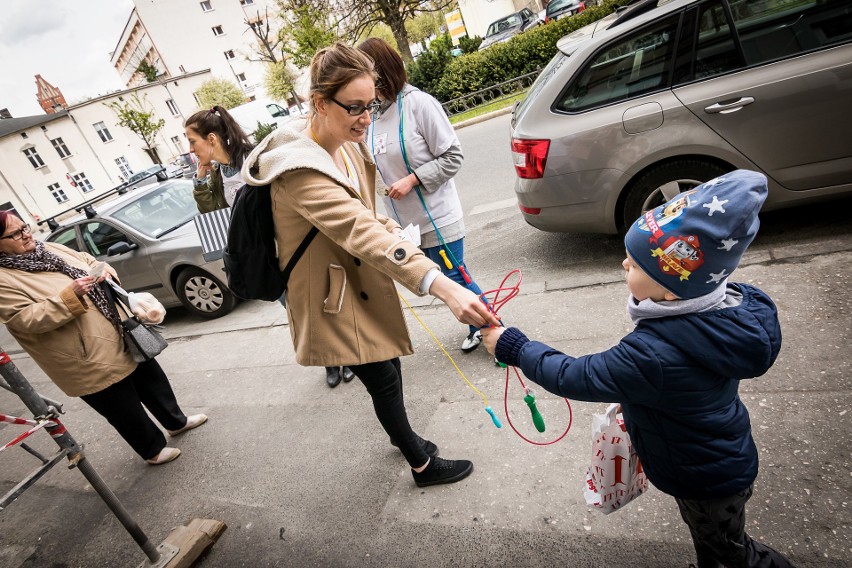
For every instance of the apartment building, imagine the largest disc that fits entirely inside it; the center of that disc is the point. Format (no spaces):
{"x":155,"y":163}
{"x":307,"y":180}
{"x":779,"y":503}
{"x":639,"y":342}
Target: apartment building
{"x":51,"y":162}
{"x":182,"y":36}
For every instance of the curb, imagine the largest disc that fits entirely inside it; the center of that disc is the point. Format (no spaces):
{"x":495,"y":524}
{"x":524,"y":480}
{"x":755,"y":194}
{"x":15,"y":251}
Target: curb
{"x":483,"y":118}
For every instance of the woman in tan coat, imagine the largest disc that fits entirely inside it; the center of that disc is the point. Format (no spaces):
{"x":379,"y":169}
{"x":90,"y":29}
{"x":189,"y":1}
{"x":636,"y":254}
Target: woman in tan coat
{"x":342,"y":305}
{"x":63,"y":320}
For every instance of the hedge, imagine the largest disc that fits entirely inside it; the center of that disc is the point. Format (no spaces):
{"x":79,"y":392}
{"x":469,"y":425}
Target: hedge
{"x":447,"y":78}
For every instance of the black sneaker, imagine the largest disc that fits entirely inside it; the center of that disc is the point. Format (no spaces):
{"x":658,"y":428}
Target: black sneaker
{"x":472,"y":341}
{"x":430,"y":448}
{"x":440,"y":471}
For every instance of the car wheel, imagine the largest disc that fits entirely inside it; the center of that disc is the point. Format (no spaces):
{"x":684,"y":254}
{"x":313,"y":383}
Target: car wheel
{"x":659,"y":184}
{"x":203,"y":294}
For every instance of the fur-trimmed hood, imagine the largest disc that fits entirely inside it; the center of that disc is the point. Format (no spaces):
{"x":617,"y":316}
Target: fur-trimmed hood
{"x":288,"y":149}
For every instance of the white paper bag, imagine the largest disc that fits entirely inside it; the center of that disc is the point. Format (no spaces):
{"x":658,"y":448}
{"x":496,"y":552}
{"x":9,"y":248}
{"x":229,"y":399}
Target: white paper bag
{"x":615,"y":477}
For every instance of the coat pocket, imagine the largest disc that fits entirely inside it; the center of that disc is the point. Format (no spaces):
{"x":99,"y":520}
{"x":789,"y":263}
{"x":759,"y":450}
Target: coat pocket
{"x":336,"y":289}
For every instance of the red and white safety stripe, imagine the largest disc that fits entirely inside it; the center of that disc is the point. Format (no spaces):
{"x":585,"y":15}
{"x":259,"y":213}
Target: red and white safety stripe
{"x":56,"y":428}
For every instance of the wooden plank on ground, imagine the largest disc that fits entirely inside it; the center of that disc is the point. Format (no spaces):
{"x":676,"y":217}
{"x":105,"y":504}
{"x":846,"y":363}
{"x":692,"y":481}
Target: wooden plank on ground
{"x":192,"y":540}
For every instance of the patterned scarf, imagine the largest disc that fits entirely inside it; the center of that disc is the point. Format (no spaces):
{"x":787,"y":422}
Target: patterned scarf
{"x":42,"y":260}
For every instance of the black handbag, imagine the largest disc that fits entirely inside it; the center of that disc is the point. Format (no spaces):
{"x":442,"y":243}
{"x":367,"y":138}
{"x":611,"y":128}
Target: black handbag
{"x":144,"y":341}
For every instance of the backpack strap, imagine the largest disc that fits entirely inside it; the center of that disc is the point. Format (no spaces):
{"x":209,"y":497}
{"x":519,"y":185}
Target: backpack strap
{"x":300,"y":250}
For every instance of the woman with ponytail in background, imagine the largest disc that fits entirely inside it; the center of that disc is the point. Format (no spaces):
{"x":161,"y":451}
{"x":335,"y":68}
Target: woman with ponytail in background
{"x":220,"y":146}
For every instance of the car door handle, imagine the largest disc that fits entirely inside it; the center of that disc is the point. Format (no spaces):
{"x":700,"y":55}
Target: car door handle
{"x":725,"y":108}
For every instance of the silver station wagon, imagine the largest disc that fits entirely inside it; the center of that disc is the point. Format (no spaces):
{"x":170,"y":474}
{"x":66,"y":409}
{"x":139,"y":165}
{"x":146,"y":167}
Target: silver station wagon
{"x":665,"y":95}
{"x":149,"y":237}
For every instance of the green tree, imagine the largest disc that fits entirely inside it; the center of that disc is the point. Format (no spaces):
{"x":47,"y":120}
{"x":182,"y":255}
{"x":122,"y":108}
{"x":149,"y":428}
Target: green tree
{"x":219,"y":92}
{"x":306,"y":28}
{"x":361,"y":16}
{"x":381,"y":31}
{"x":138,"y":116}
{"x":262,"y":131}
{"x":279,"y":82}
{"x":423,"y":26}
{"x":426,"y":73}
{"x":149,"y":71}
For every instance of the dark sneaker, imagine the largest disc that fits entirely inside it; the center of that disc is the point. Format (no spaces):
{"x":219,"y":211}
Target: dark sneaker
{"x":472,"y":341}
{"x":428,"y":446}
{"x":440,"y":471}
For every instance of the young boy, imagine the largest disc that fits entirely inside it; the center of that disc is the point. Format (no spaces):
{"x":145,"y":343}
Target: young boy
{"x":676,"y":375}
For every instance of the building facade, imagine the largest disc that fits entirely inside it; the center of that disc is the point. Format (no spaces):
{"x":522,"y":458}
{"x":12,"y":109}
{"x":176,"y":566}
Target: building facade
{"x":182,"y":36}
{"x":50,"y":163}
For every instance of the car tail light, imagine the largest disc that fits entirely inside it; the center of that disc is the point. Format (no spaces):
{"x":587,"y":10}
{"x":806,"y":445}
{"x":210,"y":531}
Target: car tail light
{"x":529,"y":157}
{"x":529,"y":210}
{"x":581,"y":7}
{"x":546,"y":19}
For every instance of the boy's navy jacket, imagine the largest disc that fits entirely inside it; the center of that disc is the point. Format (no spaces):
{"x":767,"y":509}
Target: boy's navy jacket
{"x":676,"y":379}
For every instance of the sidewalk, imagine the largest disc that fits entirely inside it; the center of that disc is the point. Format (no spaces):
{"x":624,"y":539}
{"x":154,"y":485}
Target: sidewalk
{"x":303,"y":475}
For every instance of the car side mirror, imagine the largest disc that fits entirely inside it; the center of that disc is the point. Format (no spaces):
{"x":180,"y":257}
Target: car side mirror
{"x":162,"y":175}
{"x":121,"y":247}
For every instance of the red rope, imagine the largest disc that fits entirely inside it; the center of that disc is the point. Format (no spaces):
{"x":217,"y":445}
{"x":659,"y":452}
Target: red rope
{"x":495,"y":305}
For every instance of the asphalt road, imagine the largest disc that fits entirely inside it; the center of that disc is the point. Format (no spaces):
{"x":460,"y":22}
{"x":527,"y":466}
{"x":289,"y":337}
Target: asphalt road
{"x":303,"y":476}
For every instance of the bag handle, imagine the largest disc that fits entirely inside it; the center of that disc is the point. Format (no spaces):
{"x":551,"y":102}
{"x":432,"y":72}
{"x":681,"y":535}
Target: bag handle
{"x":300,"y":250}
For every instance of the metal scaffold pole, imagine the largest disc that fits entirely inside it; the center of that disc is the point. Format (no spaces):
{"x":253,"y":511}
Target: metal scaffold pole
{"x":68,"y":446}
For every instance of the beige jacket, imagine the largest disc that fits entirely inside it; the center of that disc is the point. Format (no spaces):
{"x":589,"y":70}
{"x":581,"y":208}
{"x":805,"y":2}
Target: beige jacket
{"x":341,"y":300}
{"x":72,"y":342}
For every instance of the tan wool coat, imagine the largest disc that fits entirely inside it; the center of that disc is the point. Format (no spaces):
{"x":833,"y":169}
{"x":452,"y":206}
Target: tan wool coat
{"x":73,"y":343}
{"x":342,"y":304}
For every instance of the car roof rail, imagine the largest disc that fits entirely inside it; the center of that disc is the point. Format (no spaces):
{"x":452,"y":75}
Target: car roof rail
{"x":632,"y":10}
{"x":86,"y":206}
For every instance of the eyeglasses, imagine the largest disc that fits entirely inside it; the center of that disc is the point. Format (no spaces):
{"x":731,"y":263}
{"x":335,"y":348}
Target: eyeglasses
{"x":358,"y":110}
{"x":19,"y":234}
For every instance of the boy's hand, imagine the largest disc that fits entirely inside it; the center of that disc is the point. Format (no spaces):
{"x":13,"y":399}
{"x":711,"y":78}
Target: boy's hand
{"x":490,"y":335}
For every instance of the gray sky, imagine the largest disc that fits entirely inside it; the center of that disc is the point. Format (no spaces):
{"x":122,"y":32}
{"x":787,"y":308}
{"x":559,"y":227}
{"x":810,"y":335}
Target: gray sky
{"x":67,"y":42}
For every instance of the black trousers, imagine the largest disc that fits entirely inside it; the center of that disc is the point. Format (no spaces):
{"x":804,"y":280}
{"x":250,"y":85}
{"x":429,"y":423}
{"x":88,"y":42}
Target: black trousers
{"x":122,"y":405}
{"x":384,"y":383}
{"x":719,"y":537}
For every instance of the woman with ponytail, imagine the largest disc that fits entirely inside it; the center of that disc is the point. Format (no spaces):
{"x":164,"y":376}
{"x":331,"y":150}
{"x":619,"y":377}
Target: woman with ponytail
{"x":220,"y":146}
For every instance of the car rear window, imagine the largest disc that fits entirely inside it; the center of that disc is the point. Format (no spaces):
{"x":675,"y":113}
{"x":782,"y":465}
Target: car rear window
{"x":543,"y":78}
{"x":630,"y":66}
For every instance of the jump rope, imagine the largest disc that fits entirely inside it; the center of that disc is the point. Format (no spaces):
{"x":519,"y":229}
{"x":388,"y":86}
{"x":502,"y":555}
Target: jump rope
{"x":494,"y":306}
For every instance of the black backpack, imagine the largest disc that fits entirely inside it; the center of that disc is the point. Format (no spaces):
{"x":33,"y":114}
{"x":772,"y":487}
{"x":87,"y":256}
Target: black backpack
{"x":251,"y":258}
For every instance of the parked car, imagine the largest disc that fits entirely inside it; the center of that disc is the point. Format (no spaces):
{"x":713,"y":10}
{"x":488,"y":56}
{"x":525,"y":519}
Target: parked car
{"x":148,"y":176}
{"x":663,"y":96}
{"x":187,"y":163}
{"x":509,"y":26}
{"x":149,"y":237}
{"x":562,"y":9}
{"x":174,"y":171}
{"x":295,"y":111}
{"x":249,"y":115}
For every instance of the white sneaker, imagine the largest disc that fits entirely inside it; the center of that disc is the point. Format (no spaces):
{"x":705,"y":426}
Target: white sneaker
{"x":193,"y":421}
{"x":472,"y":341}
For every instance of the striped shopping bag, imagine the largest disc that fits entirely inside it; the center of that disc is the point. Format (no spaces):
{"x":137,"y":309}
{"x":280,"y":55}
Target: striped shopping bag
{"x":213,"y":231}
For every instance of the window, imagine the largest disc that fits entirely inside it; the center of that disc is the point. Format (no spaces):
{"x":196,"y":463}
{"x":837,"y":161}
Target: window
{"x":246,"y":2}
{"x":172,"y":107}
{"x":61,"y":148}
{"x":68,"y":237}
{"x":99,"y":236}
{"x":24,"y":135}
{"x":229,"y":54}
{"x":58,"y":193}
{"x":176,"y":142}
{"x":206,"y":7}
{"x":103,"y":132}
{"x":32,"y":155}
{"x":257,"y":26}
{"x":217,"y":31}
{"x":241,"y":77}
{"x":629,"y":67}
{"x":124,"y":167}
{"x":197,"y":100}
{"x":82,"y":182}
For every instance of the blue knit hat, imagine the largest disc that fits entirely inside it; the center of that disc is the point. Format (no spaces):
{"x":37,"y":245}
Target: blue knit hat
{"x":691,"y":244}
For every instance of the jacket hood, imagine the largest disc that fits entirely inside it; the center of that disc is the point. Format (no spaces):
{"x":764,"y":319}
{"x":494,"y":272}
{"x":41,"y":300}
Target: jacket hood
{"x":286,"y":149}
{"x":740,"y":342}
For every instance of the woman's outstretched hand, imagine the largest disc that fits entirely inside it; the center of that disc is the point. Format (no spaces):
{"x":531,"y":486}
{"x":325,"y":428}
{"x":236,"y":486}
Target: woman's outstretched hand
{"x":82,"y":286}
{"x":490,"y":336}
{"x":465,"y":305}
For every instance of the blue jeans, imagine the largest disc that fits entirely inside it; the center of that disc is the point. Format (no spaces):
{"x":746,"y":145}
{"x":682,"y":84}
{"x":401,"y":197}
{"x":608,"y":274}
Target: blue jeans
{"x":457,"y":250}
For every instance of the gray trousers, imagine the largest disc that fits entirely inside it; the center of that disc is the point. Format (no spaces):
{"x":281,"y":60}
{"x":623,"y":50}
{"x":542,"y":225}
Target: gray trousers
{"x":719,"y":537}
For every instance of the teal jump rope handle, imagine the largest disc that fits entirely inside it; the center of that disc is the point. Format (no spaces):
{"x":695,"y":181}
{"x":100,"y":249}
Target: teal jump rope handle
{"x":536,"y":415}
{"x":494,"y":418}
